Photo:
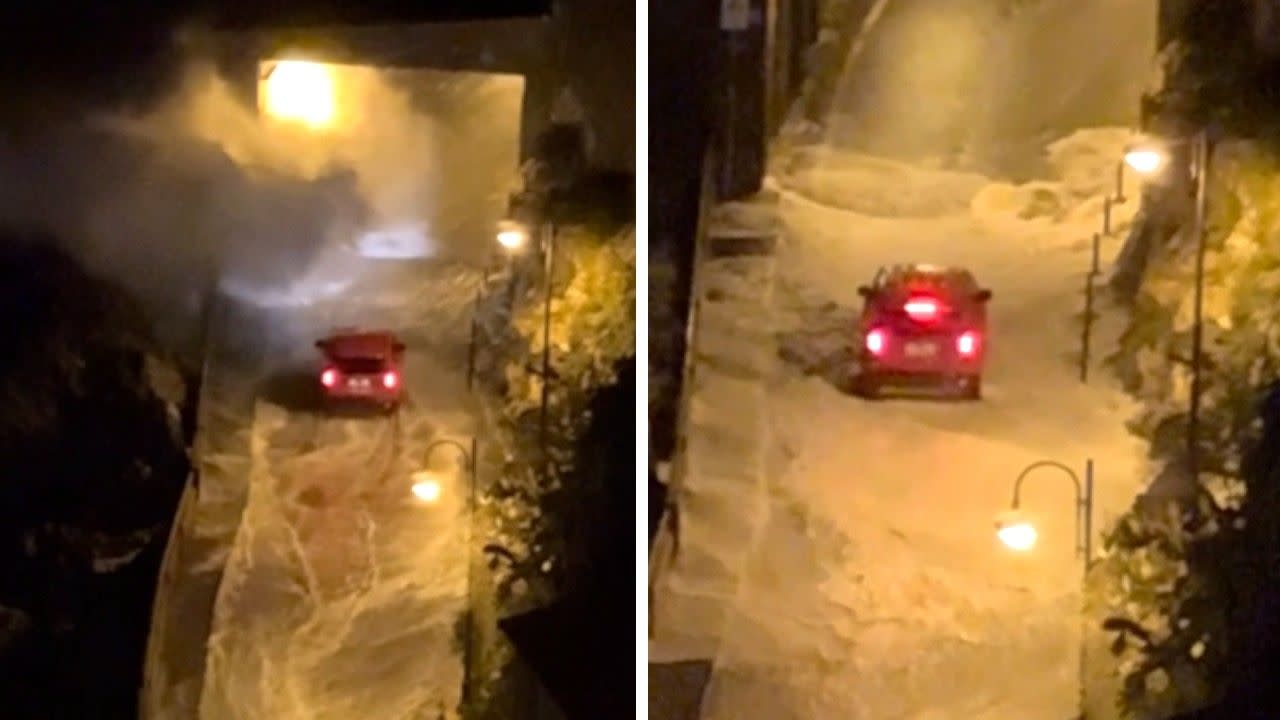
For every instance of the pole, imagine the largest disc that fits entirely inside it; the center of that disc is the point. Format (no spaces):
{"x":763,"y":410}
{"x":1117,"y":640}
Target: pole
{"x":1086,"y":516}
{"x":1085,"y":522}
{"x":1086,"y":332}
{"x":1120,"y":182}
{"x":1087,"y":329}
{"x":471,"y":346}
{"x":549,"y":252}
{"x":1106,"y":215}
{"x":1201,"y":160}
{"x":469,"y":462}
{"x":468,"y":648}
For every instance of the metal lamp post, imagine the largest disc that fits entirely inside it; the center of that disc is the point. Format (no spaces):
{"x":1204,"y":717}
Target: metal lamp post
{"x":469,"y":459}
{"x":1021,"y":536}
{"x":514,"y":236}
{"x":1148,"y":161}
{"x":548,"y":267}
{"x":1119,"y":196}
{"x":1200,"y":166}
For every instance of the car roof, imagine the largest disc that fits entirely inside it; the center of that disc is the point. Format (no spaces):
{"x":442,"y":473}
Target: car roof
{"x":361,"y":344}
{"x":907,"y":272}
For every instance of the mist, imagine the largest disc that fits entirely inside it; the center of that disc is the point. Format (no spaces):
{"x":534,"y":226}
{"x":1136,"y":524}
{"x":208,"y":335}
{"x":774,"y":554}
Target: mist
{"x":986,"y":85}
{"x":200,"y":191}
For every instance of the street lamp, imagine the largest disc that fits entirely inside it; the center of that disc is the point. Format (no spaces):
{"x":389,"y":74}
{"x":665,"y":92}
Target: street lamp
{"x":514,"y":236}
{"x":299,"y":91}
{"x":1021,"y":536}
{"x":1119,"y":196}
{"x":427,"y":487}
{"x":1147,"y":161}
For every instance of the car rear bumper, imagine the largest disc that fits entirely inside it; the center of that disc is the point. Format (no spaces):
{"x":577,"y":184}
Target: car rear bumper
{"x":374,"y":393}
{"x":379,"y":397}
{"x":926,"y":354}
{"x":917,"y":378}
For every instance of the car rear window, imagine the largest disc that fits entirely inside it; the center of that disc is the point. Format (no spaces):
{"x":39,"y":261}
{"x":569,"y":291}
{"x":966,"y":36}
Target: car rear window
{"x":947,"y":283}
{"x":362,"y":365}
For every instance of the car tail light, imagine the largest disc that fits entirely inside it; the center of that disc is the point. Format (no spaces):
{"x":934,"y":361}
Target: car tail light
{"x":329,"y":377}
{"x":967,"y":344}
{"x":877,"y":341}
{"x":922,"y":308}
{"x":390,"y":380}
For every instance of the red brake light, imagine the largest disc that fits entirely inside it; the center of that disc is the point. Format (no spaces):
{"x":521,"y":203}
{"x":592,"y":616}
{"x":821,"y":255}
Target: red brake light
{"x":329,"y":377}
{"x":876,"y":341}
{"x":967,"y":344}
{"x":390,"y":380}
{"x":922,"y":308}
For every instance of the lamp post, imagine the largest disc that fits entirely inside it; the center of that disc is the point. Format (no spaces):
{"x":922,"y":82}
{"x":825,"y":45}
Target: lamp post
{"x":427,"y":487}
{"x":1021,"y":536}
{"x":1149,"y":161}
{"x":515,"y":236}
{"x":1119,"y":196}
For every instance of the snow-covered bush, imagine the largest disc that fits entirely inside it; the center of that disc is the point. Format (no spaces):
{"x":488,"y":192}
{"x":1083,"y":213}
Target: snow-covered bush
{"x":533,"y":511}
{"x":1081,"y":174}
{"x":592,"y":331}
{"x":1178,"y":561}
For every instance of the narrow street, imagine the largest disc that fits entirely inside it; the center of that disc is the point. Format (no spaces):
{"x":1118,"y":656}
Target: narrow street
{"x":848,"y":566}
{"x":877,"y":588}
{"x":342,"y":594}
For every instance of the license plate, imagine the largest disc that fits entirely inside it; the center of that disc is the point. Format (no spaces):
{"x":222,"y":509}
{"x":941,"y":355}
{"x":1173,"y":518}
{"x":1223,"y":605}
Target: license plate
{"x":920,"y":349}
{"x":358,"y":383}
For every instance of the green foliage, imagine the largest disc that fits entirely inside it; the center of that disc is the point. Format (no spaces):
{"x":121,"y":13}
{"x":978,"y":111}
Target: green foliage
{"x":1173,"y":568}
{"x":527,"y":506}
{"x":592,"y":331}
{"x":592,"y":325}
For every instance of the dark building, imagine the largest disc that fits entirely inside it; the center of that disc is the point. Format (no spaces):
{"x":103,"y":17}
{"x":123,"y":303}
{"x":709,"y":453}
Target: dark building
{"x":722,"y":77}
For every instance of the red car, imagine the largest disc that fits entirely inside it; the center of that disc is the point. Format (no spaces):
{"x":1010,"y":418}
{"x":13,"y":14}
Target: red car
{"x":363,"y":366}
{"x":923,"y":325}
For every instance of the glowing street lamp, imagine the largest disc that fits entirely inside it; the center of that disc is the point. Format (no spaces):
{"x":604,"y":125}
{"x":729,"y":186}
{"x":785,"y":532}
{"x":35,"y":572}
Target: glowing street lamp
{"x":1020,"y":535}
{"x":1146,"y":160}
{"x":427,"y":486}
{"x":300,"y":91}
{"x":512,"y":235}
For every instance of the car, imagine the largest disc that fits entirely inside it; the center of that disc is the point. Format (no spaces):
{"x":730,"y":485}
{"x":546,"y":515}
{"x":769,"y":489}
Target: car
{"x":922,"y":325}
{"x":362,"y":366}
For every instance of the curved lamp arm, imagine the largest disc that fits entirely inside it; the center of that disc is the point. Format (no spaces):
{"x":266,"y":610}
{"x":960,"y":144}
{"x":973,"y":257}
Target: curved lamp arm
{"x":1017,"y":485}
{"x":1084,"y":502}
{"x":462,"y":449}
